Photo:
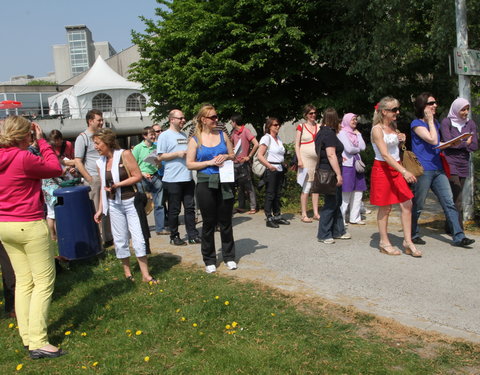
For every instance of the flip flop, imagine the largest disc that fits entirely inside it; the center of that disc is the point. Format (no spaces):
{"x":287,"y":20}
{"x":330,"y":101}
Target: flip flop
{"x":306,"y":219}
{"x":251,"y":212}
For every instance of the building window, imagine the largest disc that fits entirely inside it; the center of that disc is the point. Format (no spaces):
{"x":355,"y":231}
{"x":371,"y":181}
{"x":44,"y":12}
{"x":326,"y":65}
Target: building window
{"x":65,"y":107}
{"x":55,"y":108}
{"x":136,"y":102}
{"x":102,"y":102}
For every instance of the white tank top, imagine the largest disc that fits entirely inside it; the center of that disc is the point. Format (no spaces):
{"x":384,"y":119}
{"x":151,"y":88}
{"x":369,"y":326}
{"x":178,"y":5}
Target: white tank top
{"x":391,"y":140}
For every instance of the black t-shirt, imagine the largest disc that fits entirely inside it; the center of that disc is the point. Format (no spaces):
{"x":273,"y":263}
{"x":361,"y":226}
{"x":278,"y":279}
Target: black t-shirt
{"x":326,"y":137}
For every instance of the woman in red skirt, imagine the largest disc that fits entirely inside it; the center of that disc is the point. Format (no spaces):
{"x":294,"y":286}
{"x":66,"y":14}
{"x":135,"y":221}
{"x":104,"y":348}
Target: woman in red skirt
{"x":389,"y":179}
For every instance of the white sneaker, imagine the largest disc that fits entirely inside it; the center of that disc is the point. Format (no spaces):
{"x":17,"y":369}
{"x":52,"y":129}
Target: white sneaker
{"x":361,"y":222}
{"x":211,"y":268}
{"x":328,"y":241}
{"x":231,"y":265}
{"x":345,"y":236}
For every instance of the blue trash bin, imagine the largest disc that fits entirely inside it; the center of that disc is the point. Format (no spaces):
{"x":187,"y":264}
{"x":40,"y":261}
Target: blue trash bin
{"x":78,"y":234}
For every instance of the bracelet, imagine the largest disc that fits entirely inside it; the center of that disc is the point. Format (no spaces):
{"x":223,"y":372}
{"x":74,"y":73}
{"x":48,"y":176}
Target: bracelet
{"x":403,"y":172}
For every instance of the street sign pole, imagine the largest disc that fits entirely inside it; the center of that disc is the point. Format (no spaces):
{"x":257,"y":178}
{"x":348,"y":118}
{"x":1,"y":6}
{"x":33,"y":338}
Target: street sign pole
{"x":464,"y":92}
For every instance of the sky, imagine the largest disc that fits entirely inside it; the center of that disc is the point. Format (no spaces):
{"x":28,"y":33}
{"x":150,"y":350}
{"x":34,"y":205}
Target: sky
{"x":29,"y":29}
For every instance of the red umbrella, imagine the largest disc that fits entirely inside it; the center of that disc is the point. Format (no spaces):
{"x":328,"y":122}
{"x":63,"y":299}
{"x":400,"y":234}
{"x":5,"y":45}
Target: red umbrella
{"x":10,"y":104}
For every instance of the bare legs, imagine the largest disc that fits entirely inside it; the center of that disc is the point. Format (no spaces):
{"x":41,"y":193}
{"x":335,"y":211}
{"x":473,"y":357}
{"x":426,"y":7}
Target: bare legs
{"x":142,"y":263}
{"x":303,"y":205}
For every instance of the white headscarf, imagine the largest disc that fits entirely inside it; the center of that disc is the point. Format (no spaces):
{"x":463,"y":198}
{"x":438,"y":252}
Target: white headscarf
{"x":454,"y":113}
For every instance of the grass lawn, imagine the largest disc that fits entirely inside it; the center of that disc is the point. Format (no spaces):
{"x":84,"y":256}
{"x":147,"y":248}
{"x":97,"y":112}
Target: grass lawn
{"x":194,"y":323}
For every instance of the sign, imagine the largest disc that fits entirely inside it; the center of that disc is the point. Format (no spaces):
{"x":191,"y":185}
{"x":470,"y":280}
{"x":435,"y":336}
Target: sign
{"x":467,"y":61}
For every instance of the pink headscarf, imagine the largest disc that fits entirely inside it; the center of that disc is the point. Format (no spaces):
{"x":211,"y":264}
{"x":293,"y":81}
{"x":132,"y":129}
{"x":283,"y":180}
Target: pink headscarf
{"x":347,"y":118}
{"x":454,"y":113}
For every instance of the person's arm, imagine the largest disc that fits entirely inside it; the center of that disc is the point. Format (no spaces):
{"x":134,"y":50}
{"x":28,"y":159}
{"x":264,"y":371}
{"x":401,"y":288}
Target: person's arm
{"x":80,"y":151}
{"x":473,"y":140}
{"x":254,"y":149}
{"x":262,"y":150}
{"x":347,"y":144}
{"x":46,"y":166}
{"x":429,"y":135}
{"x":361,"y":143}
{"x":377,"y":138}
{"x":99,"y":214}
{"x":192,"y":156}
{"x":332,"y":159}
{"x":298,"y":136}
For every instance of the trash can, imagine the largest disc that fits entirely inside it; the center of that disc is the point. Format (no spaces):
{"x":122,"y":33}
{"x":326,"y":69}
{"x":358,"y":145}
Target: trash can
{"x":77,"y":233}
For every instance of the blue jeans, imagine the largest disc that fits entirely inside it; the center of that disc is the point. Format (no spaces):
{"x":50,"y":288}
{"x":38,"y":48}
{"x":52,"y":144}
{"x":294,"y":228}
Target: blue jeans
{"x":331,"y":219}
{"x":438,"y":182}
{"x":155,"y":186}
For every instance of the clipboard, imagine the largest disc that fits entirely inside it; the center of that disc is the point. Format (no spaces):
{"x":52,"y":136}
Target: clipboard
{"x":453,"y":140}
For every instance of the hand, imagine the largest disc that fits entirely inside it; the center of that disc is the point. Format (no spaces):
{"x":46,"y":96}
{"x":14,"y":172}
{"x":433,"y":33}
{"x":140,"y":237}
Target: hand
{"x":428,"y":115}
{"x":401,"y":137}
{"x":72,"y":171}
{"x":219,"y":159}
{"x":245,"y":159}
{"x":38,"y":130}
{"x":98,"y":217}
{"x":272,"y":168}
{"x":182,"y":154}
{"x":339,"y":180}
{"x":409,"y":177}
{"x":300,"y":164}
{"x":469,"y":140}
{"x":148,"y":176}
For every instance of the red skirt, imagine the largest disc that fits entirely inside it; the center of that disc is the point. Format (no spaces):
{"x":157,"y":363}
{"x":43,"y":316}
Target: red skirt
{"x":387,"y":186}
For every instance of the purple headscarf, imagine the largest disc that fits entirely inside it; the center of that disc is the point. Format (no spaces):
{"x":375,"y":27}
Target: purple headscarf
{"x":347,"y":119}
{"x":454,"y":113}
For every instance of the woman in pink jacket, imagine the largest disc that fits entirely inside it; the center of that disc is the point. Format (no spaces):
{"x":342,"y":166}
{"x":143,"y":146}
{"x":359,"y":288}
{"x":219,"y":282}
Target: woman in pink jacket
{"x":24,"y":232}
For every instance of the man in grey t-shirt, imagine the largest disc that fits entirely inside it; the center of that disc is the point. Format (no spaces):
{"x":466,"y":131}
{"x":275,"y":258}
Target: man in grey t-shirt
{"x":86,"y":162}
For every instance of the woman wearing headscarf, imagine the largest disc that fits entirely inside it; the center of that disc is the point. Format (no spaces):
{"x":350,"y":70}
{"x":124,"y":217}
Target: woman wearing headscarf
{"x":458,"y":155}
{"x":307,"y":158}
{"x":353,"y":181}
{"x":24,"y":232}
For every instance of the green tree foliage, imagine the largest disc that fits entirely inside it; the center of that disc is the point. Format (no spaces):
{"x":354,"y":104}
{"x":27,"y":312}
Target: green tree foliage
{"x":271,"y":57}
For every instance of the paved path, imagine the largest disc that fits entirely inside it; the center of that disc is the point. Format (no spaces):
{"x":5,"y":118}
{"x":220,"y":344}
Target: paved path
{"x":438,"y":292}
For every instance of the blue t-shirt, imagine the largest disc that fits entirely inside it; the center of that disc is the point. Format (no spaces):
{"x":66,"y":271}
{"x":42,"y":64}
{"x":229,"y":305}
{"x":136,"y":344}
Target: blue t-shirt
{"x":208,"y":153}
{"x":175,"y":169}
{"x":425,"y":152}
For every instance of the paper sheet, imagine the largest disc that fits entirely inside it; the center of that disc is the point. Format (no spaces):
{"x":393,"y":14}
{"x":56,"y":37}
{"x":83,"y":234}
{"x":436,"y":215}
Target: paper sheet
{"x":453,"y":140}
{"x":238,"y":147}
{"x":152,"y":158}
{"x":302,"y":175}
{"x":226,"y":171}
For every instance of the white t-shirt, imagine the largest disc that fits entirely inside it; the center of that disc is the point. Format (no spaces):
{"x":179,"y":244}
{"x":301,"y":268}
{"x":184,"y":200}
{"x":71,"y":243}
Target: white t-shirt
{"x":275,"y":149}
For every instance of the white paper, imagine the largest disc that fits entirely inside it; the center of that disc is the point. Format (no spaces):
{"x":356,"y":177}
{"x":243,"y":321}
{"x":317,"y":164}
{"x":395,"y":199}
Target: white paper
{"x":453,"y":140}
{"x":238,"y":147}
{"x":152,"y":158}
{"x":226,"y":171}
{"x":302,"y":175}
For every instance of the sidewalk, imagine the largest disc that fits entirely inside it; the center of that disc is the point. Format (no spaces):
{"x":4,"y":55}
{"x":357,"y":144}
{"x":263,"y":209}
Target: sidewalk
{"x":437,"y":292}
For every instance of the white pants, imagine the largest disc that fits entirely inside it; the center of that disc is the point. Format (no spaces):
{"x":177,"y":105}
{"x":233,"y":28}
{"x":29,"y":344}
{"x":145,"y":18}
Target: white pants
{"x":125,"y":224}
{"x":354,"y":200}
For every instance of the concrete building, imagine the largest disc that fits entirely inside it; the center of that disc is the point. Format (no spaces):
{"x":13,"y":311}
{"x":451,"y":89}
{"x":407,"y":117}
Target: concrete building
{"x":79,"y":54}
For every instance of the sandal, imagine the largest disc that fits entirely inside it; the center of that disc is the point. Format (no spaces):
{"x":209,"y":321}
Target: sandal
{"x":306,"y":219}
{"x":130,"y":278}
{"x":251,"y":212}
{"x":152,"y":281}
{"x":410,"y":249}
{"x":389,"y":249}
{"x":317,"y":218}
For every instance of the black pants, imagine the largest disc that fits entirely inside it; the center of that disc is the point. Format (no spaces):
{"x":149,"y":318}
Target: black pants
{"x":8,"y":278}
{"x":178,"y":193}
{"x":215,"y":210}
{"x":273,"y":190}
{"x":457,"y":183}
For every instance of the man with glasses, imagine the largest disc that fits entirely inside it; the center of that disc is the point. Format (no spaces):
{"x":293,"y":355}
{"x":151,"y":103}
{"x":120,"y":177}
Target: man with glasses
{"x":177,"y":179}
{"x":151,"y":182}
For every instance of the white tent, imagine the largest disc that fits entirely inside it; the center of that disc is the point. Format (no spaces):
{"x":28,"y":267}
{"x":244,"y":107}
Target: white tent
{"x":104,"y":89}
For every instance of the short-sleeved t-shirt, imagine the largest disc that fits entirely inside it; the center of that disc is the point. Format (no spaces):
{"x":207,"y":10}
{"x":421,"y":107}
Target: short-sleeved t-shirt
{"x":246,"y":136}
{"x":275,"y":149}
{"x":68,"y":151}
{"x":92,"y":155}
{"x":326,"y":137}
{"x":140,"y":152}
{"x":426,"y":154}
{"x":175,"y":169}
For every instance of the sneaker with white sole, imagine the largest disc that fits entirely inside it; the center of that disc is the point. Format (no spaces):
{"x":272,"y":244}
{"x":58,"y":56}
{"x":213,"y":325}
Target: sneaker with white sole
{"x":327,"y":241}
{"x":345,"y":236}
{"x":211,"y":268}
{"x":231,"y":265}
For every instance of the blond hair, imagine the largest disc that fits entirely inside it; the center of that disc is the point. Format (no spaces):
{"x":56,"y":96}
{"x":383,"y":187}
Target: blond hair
{"x":197,"y":121}
{"x":382,"y":105}
{"x":14,"y":130}
{"x":107,"y":136}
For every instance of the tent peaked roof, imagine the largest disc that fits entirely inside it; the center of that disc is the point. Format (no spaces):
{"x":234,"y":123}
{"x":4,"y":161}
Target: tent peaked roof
{"x":102,"y":77}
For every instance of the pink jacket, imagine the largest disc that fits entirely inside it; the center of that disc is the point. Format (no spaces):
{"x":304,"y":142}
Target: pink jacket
{"x":21,"y":197}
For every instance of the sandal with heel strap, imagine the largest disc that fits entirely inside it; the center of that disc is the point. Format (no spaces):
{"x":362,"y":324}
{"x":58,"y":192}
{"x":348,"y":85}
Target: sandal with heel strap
{"x":410,"y":249}
{"x":306,"y":219}
{"x":389,"y":249}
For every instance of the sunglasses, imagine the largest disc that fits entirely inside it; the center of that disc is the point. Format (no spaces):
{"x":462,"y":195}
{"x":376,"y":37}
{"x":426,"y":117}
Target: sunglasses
{"x":213,"y":118}
{"x":395,"y":109}
{"x":179,"y":118}
{"x":432,"y":102}
{"x":157,"y":131}
{"x":312,"y":113}
{"x":275,"y":124}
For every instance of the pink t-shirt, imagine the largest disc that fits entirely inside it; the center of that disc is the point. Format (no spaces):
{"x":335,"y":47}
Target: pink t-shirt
{"x":21,"y":172}
{"x":246,"y":136}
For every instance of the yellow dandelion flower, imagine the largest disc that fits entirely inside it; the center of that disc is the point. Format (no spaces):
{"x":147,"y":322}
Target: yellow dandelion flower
{"x":272,"y":314}
{"x":83,"y":334}
{"x":183,"y":319}
{"x":227,"y":303}
{"x":177,"y":310}
{"x":95,"y":364}
{"x":16,"y":351}
{"x":217,"y":297}
{"x":161,"y":290}
{"x":11,"y":325}
{"x":147,"y":358}
{"x":19,"y":367}
{"x":107,"y":269}
{"x":233,"y":332}
{"x":234,"y":324}
{"x":151,"y":293}
{"x":138,"y":333}
{"x":150,"y":282}
{"x":194,"y":325}
{"x":204,"y":301}
{"x":68,"y":333}
{"x":84,"y":367}
{"x":128,"y":331}
{"x":228,"y":326}
{"x":1,"y":302}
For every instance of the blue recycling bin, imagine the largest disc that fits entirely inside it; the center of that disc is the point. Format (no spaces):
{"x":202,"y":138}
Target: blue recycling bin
{"x":78,"y":234}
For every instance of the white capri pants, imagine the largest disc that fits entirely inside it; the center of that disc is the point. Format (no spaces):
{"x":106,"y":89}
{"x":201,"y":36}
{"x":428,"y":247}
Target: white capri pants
{"x":125,"y":225}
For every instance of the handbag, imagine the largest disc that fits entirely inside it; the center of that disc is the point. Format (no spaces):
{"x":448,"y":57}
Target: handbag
{"x":359,"y":164}
{"x":258,"y":168}
{"x":148,"y":204}
{"x":411,"y":163}
{"x":324,"y":182}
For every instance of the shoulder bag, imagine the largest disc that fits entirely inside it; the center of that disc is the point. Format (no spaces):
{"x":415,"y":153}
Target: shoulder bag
{"x":324,"y":180}
{"x":411,"y":163}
